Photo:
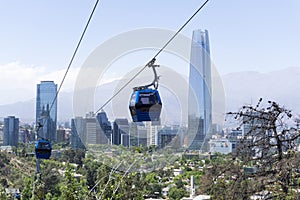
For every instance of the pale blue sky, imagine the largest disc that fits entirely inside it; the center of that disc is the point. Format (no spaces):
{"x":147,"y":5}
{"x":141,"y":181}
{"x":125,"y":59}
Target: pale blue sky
{"x":244,"y":35}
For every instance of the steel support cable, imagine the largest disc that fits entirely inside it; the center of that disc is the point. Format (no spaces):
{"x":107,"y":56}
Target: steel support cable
{"x":110,"y":176}
{"x":111,"y":98}
{"x":75,"y":52}
{"x":126,"y":172}
{"x":93,"y":188}
{"x":154,"y":58}
{"x":179,"y":30}
{"x":114,"y":168}
{"x":72,"y":59}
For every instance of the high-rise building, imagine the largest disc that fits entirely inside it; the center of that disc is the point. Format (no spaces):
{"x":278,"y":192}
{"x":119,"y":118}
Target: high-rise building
{"x":200,"y":92}
{"x":91,"y":126}
{"x":77,"y":133}
{"x":90,"y":130}
{"x":152,"y":133}
{"x":138,"y":134}
{"x":105,"y":131}
{"x":46,"y":109}
{"x":170,"y":136}
{"x":24,"y":135}
{"x":61,"y":135}
{"x":11,"y":131}
{"x":121,"y":132}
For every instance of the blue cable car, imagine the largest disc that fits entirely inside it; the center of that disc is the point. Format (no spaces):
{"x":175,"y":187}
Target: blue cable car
{"x":43,"y":149}
{"x":145,"y":105}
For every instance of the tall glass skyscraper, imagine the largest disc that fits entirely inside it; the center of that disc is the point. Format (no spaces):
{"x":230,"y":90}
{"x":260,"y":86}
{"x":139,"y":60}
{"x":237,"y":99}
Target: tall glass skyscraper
{"x":45,"y":115}
{"x":105,"y":134}
{"x":11,"y":131}
{"x":78,"y":133}
{"x":200,"y":92}
{"x":121,"y":132}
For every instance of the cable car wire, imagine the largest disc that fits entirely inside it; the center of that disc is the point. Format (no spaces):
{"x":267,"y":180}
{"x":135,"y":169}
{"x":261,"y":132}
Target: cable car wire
{"x":154,"y":58}
{"x":111,"y":98}
{"x":75,"y":52}
{"x":70,"y":63}
{"x":179,"y":30}
{"x":140,"y":71}
{"x":126,"y":172}
{"x":114,"y":168}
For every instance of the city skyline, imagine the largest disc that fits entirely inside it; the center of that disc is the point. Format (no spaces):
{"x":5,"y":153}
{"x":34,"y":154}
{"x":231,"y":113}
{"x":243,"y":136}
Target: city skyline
{"x":229,"y":126}
{"x":68,"y":85}
{"x":34,"y":46}
{"x":234,"y":84}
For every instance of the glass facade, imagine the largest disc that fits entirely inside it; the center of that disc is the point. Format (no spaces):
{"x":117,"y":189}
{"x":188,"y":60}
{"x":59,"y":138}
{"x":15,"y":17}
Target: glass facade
{"x":200,"y":96}
{"x":121,"y":132}
{"x":77,"y":133}
{"x":11,"y":131}
{"x":105,"y":128}
{"x":46,"y":113}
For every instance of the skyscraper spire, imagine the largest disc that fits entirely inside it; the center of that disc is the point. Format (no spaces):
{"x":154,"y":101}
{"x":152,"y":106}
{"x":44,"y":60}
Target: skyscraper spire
{"x":200,"y":92}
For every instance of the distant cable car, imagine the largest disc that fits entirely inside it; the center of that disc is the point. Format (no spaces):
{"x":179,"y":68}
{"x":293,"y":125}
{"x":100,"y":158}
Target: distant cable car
{"x":43,"y":149}
{"x":145,"y":103}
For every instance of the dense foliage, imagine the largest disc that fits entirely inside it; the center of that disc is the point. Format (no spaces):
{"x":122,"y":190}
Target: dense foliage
{"x":81,"y":175}
{"x":265,"y":165}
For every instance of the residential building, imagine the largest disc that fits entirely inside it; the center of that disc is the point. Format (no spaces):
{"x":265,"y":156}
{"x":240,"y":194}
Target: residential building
{"x":235,"y":137}
{"x":221,"y":145}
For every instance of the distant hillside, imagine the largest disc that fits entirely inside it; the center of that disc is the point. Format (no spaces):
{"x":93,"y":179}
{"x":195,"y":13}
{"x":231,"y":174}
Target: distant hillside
{"x":25,"y":110}
{"x":247,"y":87}
{"x":13,"y":170}
{"x":240,"y":88}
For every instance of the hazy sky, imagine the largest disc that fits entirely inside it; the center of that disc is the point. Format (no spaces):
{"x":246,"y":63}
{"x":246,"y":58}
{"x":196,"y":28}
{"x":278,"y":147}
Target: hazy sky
{"x":37,"y":38}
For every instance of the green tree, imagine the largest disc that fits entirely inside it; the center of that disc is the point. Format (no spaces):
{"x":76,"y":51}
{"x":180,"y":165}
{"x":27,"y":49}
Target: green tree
{"x":68,"y":155}
{"x":72,"y":188}
{"x":176,"y":194}
{"x":90,"y":167}
{"x":269,"y":145}
{"x":179,"y":183}
{"x":79,"y":157}
{"x":38,"y":188}
{"x":51,"y":178}
{"x":268,"y":148}
{"x":3,"y":183}
{"x":28,"y":189}
{"x":3,"y":195}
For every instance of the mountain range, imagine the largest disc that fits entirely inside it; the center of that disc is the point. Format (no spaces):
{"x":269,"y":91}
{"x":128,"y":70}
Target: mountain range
{"x":281,"y":86}
{"x":240,"y":88}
